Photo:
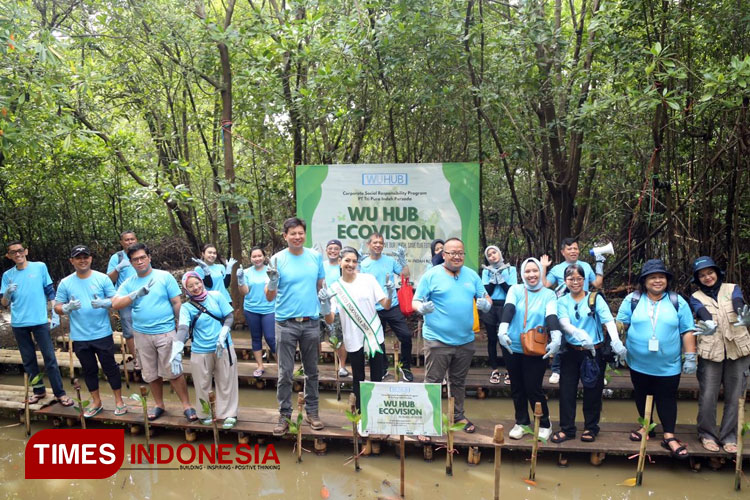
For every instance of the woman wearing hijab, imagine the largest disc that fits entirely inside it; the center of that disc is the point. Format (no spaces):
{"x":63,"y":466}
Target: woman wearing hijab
{"x":207,"y":318}
{"x":497,"y":278}
{"x":659,"y":331}
{"x":723,"y":357}
{"x":528,"y":306}
{"x":215,"y":276}
{"x":436,"y":250}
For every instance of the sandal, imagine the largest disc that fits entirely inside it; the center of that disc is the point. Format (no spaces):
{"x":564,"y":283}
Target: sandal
{"x":709,"y":444}
{"x":507,"y":379}
{"x":635,"y":435}
{"x":560,"y":437}
{"x":469,"y":428}
{"x":730,"y":448}
{"x":190,"y":415}
{"x":35,"y":398}
{"x":258,"y":372}
{"x":207,"y":421}
{"x":229,"y":423}
{"x":121,"y":410}
{"x":65,"y":400}
{"x":92,"y":412}
{"x":675,"y":453}
{"x":588,"y":437}
{"x":156,"y":413}
{"x":495,"y":377}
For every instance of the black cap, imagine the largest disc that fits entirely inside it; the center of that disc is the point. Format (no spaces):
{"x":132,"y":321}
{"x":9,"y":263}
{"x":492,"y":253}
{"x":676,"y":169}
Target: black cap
{"x":702,"y":263}
{"x":78,"y":250}
{"x":334,"y":242}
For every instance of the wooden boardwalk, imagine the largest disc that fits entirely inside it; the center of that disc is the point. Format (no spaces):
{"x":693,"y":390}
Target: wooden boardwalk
{"x":613,"y":438}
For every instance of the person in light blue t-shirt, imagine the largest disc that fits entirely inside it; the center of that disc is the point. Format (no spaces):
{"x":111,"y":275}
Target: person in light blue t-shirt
{"x":155,"y":298}
{"x":207,"y":319}
{"x":497,"y":278}
{"x":26,"y":288}
{"x":118,"y":270}
{"x":658,"y":332}
{"x":216,"y":277}
{"x":332,"y":269}
{"x":258,"y":310}
{"x":295,"y":276}
{"x":445,"y":297}
{"x":85,"y":296}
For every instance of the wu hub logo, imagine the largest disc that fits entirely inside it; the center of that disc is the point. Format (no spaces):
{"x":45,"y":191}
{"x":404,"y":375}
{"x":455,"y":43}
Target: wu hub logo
{"x":74,"y":453}
{"x":385,"y":179}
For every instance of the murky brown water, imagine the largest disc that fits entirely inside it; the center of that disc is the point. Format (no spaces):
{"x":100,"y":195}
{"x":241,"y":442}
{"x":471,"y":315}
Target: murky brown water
{"x":379,"y":476}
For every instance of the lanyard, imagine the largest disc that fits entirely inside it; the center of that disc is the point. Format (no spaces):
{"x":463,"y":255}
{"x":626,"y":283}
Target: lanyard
{"x":653,"y":314}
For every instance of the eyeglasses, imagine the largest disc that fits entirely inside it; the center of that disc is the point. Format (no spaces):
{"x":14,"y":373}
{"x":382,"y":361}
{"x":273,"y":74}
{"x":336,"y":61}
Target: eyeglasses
{"x":16,"y":252}
{"x":139,"y":259}
{"x":454,"y":254}
{"x":574,"y":280}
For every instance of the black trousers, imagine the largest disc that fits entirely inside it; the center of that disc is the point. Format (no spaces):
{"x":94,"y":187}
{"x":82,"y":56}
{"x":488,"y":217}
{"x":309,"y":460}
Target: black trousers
{"x":526,"y":375}
{"x":378,"y":365}
{"x":491,"y":320}
{"x":570,"y":374}
{"x":87,"y":352}
{"x":664,"y":390}
{"x":395,"y":318}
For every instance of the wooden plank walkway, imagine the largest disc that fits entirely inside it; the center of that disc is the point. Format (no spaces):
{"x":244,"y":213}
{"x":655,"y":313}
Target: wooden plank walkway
{"x":613,"y":438}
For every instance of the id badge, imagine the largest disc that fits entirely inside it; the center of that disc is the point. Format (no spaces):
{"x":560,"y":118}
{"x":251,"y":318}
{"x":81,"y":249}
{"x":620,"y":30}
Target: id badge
{"x":653,"y":344}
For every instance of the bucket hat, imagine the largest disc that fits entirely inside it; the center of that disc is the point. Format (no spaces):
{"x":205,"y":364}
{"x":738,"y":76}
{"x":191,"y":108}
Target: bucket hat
{"x":654,"y":266}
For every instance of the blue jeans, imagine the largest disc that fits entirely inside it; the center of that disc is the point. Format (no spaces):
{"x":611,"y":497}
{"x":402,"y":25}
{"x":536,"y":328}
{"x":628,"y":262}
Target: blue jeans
{"x":261,"y":326}
{"x":28,"y":355}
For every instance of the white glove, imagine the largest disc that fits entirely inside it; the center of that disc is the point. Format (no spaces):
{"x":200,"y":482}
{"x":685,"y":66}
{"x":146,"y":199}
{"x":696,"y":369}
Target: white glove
{"x":273,"y":276}
{"x":707,"y":327}
{"x":122,"y":265}
{"x":202,"y":265}
{"x":584,"y":338}
{"x":599,"y":266}
{"x":10,"y":290}
{"x":743,"y":316}
{"x":230,"y":264}
{"x":554,"y":346}
{"x":325,"y":296}
{"x":426,"y":307}
{"x":690,"y":365}
{"x":71,"y":306}
{"x":141,"y":291}
{"x":618,"y":348}
{"x":390,"y":286}
{"x":401,"y":256}
{"x":54,"y":320}
{"x":97,"y":303}
{"x":175,"y":357}
{"x":502,"y":336}
{"x":483,"y":305}
{"x":221,"y":342}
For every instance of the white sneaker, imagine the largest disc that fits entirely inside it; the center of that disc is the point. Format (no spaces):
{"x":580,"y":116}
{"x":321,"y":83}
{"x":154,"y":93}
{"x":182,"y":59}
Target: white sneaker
{"x":516,"y":432}
{"x":545,"y":433}
{"x":343,"y":372}
{"x":554,"y":378}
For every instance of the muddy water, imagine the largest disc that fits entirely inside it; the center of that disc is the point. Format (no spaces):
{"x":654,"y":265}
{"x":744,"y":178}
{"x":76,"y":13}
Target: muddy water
{"x":379,"y":476}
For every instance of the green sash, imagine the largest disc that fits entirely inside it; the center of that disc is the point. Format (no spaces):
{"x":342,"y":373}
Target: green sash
{"x":368,"y":328}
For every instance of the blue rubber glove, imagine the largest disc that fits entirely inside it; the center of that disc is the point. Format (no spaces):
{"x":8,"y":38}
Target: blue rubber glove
{"x":426,"y":307}
{"x":122,"y":265}
{"x":401,"y":256}
{"x":204,"y":267}
{"x":71,"y":306}
{"x":273,"y":276}
{"x":221,"y":342}
{"x":554,"y":345}
{"x":229,"y":265}
{"x":707,"y":327}
{"x":175,"y":357}
{"x":502,"y":336}
{"x":690,"y":365}
{"x":98,"y":303}
{"x":390,"y":286}
{"x":324,"y":296}
{"x":141,"y":291}
{"x":12,"y":287}
{"x":483,"y":305}
{"x":743,"y":316}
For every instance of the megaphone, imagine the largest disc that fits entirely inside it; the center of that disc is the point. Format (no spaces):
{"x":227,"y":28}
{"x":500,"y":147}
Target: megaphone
{"x":607,"y":249}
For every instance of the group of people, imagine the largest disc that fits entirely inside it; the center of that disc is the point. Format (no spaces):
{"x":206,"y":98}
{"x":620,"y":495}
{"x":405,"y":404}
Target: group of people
{"x":549,"y":314}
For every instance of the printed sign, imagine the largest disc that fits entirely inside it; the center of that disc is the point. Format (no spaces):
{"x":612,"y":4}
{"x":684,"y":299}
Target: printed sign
{"x":409,"y":204}
{"x":408,"y":409}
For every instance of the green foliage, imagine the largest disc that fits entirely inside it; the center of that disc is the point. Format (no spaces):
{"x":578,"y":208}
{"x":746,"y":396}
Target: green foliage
{"x":294,"y":427}
{"x":452,"y":428}
{"x":37,"y":378}
{"x":334,"y":341}
{"x":651,"y":425}
{"x":353,"y":417}
{"x":206,"y":406}
{"x":530,"y":431}
{"x":83,"y":404}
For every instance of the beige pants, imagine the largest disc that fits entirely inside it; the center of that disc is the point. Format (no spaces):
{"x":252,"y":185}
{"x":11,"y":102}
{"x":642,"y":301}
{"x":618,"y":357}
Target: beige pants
{"x":204,"y":368}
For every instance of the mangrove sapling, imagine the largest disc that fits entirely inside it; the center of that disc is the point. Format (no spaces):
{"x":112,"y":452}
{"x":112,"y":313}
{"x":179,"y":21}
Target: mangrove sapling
{"x":27,"y":413}
{"x":355,"y":417}
{"x":81,"y":404}
{"x":208,"y":408}
{"x":143,"y":399}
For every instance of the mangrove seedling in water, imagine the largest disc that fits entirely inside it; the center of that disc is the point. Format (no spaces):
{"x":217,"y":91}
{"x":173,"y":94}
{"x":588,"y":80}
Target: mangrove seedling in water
{"x":530,"y":431}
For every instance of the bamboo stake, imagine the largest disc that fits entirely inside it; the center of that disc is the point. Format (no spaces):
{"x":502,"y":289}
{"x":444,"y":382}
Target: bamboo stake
{"x":449,"y":454}
{"x":300,"y":405}
{"x":535,"y":446}
{"x":419,"y":340}
{"x":402,"y":452}
{"x":738,"y":457}
{"x":498,"y":439}
{"x":215,"y":425}
{"x":644,"y":437}
{"x":70,"y":359}
{"x":144,"y":404}
{"x":123,"y":350}
{"x":77,"y":387}
{"x":355,"y":435}
{"x":395,"y":360}
{"x":26,"y":412}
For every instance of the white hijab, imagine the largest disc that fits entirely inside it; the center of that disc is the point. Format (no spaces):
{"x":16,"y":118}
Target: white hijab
{"x":538,"y":264}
